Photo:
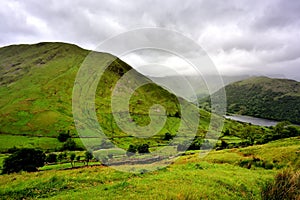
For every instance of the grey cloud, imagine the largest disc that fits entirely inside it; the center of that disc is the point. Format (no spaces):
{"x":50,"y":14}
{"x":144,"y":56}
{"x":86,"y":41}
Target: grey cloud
{"x":267,"y":31}
{"x":279,"y":15}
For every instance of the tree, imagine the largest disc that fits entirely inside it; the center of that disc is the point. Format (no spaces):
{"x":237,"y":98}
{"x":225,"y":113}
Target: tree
{"x":51,"y":158}
{"x":226,"y":133}
{"x":61,"y":156}
{"x":72,"y":158}
{"x":224,"y":144}
{"x":62,"y":137}
{"x":280,"y":126}
{"x":131,"y":150}
{"x":70,"y":145}
{"x":24,"y":159}
{"x":196,"y":144}
{"x":292,"y":131}
{"x":88,"y":157}
{"x":248,"y":134}
{"x":12,"y":150}
{"x":144,"y":148}
{"x":168,"y":136}
{"x":78,"y":158}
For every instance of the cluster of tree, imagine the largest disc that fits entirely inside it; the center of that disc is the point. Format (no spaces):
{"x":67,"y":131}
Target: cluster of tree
{"x":63,"y":136}
{"x":24,"y":160}
{"x":197,"y":144}
{"x":281,"y":130}
{"x":30,"y":160}
{"x":133,"y":149}
{"x":168,"y":136}
{"x":68,"y":142}
{"x":251,"y":135}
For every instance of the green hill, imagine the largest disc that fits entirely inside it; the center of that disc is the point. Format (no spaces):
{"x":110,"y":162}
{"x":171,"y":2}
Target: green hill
{"x":36,"y":94}
{"x":264,"y":97}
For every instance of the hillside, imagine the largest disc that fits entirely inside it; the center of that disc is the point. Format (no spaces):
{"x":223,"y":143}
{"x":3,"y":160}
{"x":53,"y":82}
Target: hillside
{"x":264,"y":97}
{"x":36,"y":93}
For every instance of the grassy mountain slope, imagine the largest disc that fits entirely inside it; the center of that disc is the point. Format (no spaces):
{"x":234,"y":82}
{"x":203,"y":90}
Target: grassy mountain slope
{"x":36,"y":83}
{"x":277,"y":99}
{"x":38,"y":99}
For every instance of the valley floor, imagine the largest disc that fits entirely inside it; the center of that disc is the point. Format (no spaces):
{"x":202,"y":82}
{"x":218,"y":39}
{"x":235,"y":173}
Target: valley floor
{"x":219,"y":175}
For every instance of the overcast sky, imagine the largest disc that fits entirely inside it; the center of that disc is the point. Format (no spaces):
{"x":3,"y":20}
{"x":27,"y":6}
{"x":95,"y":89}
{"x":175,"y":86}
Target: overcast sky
{"x":241,"y":37}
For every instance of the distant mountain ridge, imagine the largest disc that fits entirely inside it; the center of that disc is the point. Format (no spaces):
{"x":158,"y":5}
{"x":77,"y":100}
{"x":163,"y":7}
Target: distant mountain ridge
{"x":264,"y":97}
{"x":200,"y":83}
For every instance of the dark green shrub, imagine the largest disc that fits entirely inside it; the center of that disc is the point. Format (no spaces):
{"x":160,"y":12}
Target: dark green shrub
{"x":144,"y":148}
{"x":226,"y":132}
{"x":62,"y":137}
{"x":24,"y":159}
{"x":62,"y":156}
{"x":78,"y":158}
{"x":72,"y":158}
{"x":286,"y":186}
{"x":246,"y":163}
{"x":177,"y":114}
{"x":131,"y":150}
{"x":198,"y":166}
{"x":12,"y":150}
{"x":224,"y":144}
{"x":268,"y":165}
{"x":88,"y":156}
{"x":51,"y":158}
{"x":168,"y":136}
{"x":70,"y":145}
{"x":196,"y":144}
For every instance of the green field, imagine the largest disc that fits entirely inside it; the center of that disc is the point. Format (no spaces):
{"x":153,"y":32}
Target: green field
{"x":215,"y":176}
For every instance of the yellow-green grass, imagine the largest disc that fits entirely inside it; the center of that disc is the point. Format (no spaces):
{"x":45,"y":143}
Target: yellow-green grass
{"x":2,"y":158}
{"x":68,"y":165}
{"x":179,"y":181}
{"x":283,"y":152}
{"x":10,"y":141}
{"x":215,"y":176}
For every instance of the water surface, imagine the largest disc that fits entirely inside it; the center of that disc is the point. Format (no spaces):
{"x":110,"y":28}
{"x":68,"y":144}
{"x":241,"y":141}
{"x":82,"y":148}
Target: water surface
{"x":252,"y":120}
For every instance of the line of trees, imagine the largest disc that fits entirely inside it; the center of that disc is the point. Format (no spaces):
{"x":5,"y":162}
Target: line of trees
{"x":27,"y":159}
{"x":133,"y":149}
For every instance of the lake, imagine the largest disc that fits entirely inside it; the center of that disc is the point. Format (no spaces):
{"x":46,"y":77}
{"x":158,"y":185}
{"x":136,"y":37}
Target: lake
{"x":252,"y":120}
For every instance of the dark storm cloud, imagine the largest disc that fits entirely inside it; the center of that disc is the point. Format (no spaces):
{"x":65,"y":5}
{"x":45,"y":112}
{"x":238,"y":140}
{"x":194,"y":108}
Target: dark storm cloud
{"x":240,"y":36}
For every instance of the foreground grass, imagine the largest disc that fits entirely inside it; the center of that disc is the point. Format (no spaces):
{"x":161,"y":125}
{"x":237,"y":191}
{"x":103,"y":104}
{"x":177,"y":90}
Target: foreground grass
{"x":215,"y":176}
{"x":179,"y":181}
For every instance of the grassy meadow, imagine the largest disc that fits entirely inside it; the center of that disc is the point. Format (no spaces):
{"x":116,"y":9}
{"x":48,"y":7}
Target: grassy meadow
{"x":218,"y":175}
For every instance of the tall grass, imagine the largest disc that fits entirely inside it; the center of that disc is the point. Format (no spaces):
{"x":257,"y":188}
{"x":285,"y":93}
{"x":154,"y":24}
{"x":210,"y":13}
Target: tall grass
{"x":286,"y":186}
